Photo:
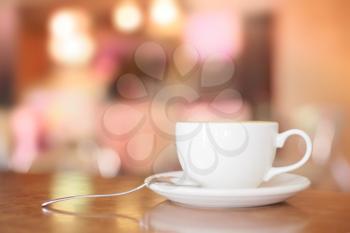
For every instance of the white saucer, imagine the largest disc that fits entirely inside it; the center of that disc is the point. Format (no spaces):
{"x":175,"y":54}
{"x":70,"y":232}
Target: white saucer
{"x":276,"y":190}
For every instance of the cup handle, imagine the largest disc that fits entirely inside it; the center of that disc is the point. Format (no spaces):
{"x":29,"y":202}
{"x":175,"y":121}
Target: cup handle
{"x":281,"y":138}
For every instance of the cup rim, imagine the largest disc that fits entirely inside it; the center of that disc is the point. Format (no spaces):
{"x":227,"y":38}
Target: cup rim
{"x":229,"y":122}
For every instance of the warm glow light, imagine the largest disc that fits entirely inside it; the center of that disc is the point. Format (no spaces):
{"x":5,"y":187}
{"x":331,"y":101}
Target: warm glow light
{"x":70,"y":41}
{"x":66,"y":22}
{"x":72,"y":51}
{"x":127,"y":16}
{"x":164,"y":12}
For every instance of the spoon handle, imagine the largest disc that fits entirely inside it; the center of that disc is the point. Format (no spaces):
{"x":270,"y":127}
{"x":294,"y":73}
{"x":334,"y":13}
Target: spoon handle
{"x":52,"y":201}
{"x":164,"y":179}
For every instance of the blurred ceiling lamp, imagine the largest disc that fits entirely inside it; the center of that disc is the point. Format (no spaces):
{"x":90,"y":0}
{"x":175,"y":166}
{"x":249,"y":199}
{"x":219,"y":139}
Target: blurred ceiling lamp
{"x":77,"y":50}
{"x":127,"y":16}
{"x":164,"y":12}
{"x":70,"y":40}
{"x":66,"y":22}
{"x":215,"y":32}
{"x":166,"y":19}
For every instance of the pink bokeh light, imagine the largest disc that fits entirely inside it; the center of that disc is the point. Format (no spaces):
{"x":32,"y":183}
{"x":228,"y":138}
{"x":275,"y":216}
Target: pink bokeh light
{"x":214,"y":32}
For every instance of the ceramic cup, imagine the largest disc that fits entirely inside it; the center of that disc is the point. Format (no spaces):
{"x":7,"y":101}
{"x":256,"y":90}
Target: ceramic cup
{"x":233,"y":154}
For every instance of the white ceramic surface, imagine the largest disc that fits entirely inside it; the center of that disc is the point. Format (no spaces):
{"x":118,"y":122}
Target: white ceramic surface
{"x":233,"y":154}
{"x":276,"y":190}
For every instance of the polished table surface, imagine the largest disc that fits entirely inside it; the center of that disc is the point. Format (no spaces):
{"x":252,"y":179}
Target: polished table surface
{"x":144,"y":211}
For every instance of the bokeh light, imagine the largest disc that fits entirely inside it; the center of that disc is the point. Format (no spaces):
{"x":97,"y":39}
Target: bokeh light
{"x":67,"y":22}
{"x":164,"y":12}
{"x":127,"y":16}
{"x":108,"y":162}
{"x":70,"y":41}
{"x":73,"y":51}
{"x":214,"y":33}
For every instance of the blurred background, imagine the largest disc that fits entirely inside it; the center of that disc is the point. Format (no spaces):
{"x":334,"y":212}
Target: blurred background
{"x":96,"y":86}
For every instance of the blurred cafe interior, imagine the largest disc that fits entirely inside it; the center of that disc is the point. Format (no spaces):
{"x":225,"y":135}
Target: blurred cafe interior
{"x":95,"y":87}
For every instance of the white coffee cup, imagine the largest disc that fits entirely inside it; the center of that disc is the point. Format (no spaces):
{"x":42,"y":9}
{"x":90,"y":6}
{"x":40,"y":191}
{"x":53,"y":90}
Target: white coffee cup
{"x":233,"y":154}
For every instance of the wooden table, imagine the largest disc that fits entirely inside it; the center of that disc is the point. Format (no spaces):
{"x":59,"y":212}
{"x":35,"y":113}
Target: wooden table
{"x":21,"y":195}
